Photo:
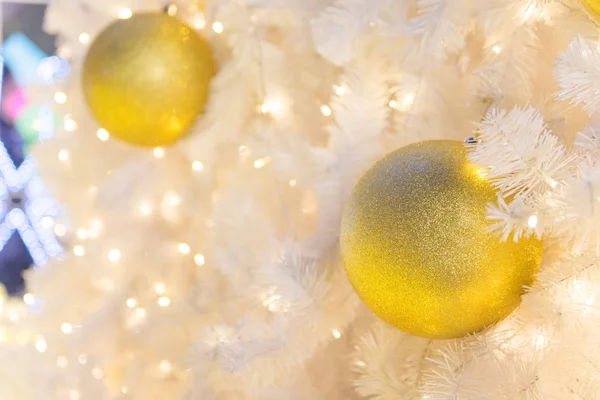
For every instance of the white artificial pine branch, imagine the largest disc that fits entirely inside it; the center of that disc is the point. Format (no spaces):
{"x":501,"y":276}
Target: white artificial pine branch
{"x":577,"y":71}
{"x":520,"y":155}
{"x":516,"y":218}
{"x":439,"y":28}
{"x":588,"y":141}
{"x":389,"y":363}
{"x":338,"y":28}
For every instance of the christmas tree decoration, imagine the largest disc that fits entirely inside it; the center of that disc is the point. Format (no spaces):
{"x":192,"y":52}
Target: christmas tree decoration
{"x":593,"y":6}
{"x":146,"y":79}
{"x":416,"y":246}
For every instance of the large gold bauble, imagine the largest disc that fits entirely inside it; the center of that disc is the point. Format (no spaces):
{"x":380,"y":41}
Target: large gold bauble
{"x":416,"y":248}
{"x":593,"y":6}
{"x":146,"y":79}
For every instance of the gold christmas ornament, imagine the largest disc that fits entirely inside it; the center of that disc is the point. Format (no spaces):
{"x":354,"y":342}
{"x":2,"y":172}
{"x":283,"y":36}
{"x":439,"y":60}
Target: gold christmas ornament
{"x":415,"y":244}
{"x":593,"y":6}
{"x":146,"y":79}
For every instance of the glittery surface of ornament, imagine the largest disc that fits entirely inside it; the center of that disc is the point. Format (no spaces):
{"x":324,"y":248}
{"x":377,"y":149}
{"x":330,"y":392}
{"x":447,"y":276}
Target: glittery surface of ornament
{"x":146,"y":78}
{"x":415,"y":244}
{"x":593,"y":6}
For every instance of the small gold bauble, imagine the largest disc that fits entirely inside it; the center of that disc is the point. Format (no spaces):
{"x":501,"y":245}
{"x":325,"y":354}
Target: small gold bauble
{"x":146,"y":78}
{"x":416,"y":248}
{"x":593,"y":6}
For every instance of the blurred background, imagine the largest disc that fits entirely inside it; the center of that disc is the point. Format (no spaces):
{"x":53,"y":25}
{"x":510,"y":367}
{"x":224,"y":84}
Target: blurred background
{"x":25,"y":46}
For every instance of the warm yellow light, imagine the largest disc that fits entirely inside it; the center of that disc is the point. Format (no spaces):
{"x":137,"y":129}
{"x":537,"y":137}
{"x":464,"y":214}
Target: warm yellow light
{"x":217,"y":27}
{"x":160,"y":288}
{"x":140,"y":312}
{"x":326,"y":110}
{"x":82,"y":358}
{"x":131,"y":302}
{"x":261,"y":162}
{"x":164,"y":301}
{"x":172,"y":10}
{"x":63,"y":155}
{"x":66,"y":328}
{"x":41,"y":345}
{"x":60,"y":97}
{"x":103,"y":134}
{"x":97,"y":373}
{"x":532,"y":221}
{"x":173,"y":198}
{"x":165,"y":366}
{"x":84,"y":38}
{"x":124,"y":390}
{"x":124,"y":13}
{"x":199,"y":259}
{"x":62,"y":361}
{"x":79,"y":250}
{"x":293,"y":182}
{"x":199,"y":21}
{"x":158,"y":152}
{"x":145,"y":208}
{"x":60,"y":230}
{"x":497,"y":49}
{"x":28,"y":299}
{"x":114,"y":255}
{"x":184,"y":248}
{"x":403,"y":105}
{"x":70,"y":124}
{"x":273,"y":106}
{"x":340,"y":90}
{"x":74,"y":394}
{"x":336,"y":333}
{"x":197,"y":166}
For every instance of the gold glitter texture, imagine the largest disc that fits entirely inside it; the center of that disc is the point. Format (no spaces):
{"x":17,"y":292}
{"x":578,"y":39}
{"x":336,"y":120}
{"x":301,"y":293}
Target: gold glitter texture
{"x":416,"y":249}
{"x":146,"y":78}
{"x":593,"y":6}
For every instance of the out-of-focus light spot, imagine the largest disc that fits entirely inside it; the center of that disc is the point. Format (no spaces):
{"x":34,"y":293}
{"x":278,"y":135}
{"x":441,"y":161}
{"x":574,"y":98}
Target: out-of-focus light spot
{"x":292,"y":182}
{"x":497,"y":49}
{"x":173,"y":198}
{"x":82,"y":233}
{"x":336,"y":333}
{"x":63,"y":155}
{"x":60,"y":230}
{"x":165,"y":366}
{"x":158,"y":152}
{"x":164,"y":301}
{"x":145,"y":208}
{"x":131,"y":302}
{"x":160,"y":288}
{"x":217,"y":27}
{"x":340,"y":90}
{"x":60,"y":97}
{"x":28,"y":299}
{"x":140,"y":312}
{"x":84,"y":38}
{"x":199,"y":259}
{"x":403,"y":105}
{"x":97,"y":373}
{"x":197,"y":166}
{"x":199,"y":21}
{"x":183,"y":248}
{"x":553,"y":184}
{"x":74,"y":394}
{"x":124,"y":390}
{"x":124,"y":13}
{"x":261,"y":162}
{"x":273,"y":106}
{"x":532,"y":221}
{"x":47,"y":222}
{"x":79,"y":250}
{"x":41,"y":345}
{"x":82,"y":358}
{"x":62,"y":361}
{"x":326,"y":110}
{"x":103,"y":134}
{"x":172,"y":10}
{"x":114,"y":255}
{"x":66,"y":328}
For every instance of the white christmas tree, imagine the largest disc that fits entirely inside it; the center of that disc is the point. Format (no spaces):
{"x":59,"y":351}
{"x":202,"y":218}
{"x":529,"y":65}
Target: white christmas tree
{"x":211,"y":269}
